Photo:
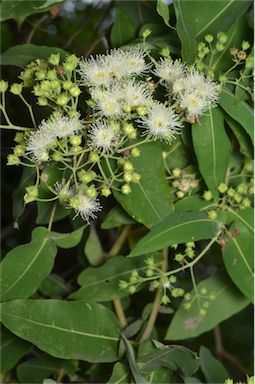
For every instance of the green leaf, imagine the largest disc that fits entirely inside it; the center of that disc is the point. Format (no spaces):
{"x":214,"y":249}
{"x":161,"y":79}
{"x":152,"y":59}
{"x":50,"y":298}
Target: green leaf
{"x":179,"y":227}
{"x":35,"y":370}
{"x":212,"y":148}
{"x":115,"y":218}
{"x":132,"y":363}
{"x":44,"y":210}
{"x":26,"y":266}
{"x":185,"y":31}
{"x":192,"y":203}
{"x":123,"y":30}
{"x":27,"y":179}
{"x":150,"y":200}
{"x":238,"y":110}
{"x":19,"y":9}
{"x":213,"y":370}
{"x":12,"y":349}
{"x":120,"y":374}
{"x":102,"y":283}
{"x":65,"y":329}
{"x":21,"y":55}
{"x":50,"y":3}
{"x":187,"y":323}
{"x":93,"y":249}
{"x":246,"y":147}
{"x":172,"y":357}
{"x":67,"y":240}
{"x":238,"y":254}
{"x":163,"y":11}
{"x":53,"y":286}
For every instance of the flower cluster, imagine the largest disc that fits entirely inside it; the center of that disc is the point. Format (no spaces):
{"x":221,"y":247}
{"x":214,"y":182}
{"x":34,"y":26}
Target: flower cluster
{"x":94,"y":151}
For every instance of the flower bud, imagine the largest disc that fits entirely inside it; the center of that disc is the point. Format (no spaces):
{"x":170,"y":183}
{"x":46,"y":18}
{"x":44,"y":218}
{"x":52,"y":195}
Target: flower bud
{"x":135,"y":152}
{"x":74,"y":202}
{"x":127,"y":166}
{"x":125,"y":189}
{"x":54,"y":59}
{"x":75,"y":139}
{"x":62,"y":100}
{"x":203,"y":291}
{"x":19,"y":150}
{"x":223,"y":78}
{"x":57,"y":156}
{"x":179,"y":257}
{"x":142,"y":111}
{"x":209,"y":38}
{"x":16,"y":88}
{"x":177,"y":292}
{"x":237,"y":197}
{"x":123,"y":284}
{"x":136,"y":177}
{"x":165,"y":300}
{"x":3,"y":86}
{"x":222,"y":37}
{"x":180,"y":194}
{"x":75,"y":91}
{"x":212,"y":215}
{"x":72,"y":60}
{"x":246,"y":203}
{"x":186,"y":305}
{"x":222,"y":188}
{"x":42,"y":101}
{"x":93,"y":157}
{"x":127,"y":177}
{"x":241,"y":55}
{"x":207,"y":195}
{"x":91,"y":192}
{"x":242,"y":188}
{"x":105,"y":191}
{"x":245,"y":45}
{"x":172,"y":279}
{"x":165,"y":52}
{"x":31,"y":195}
{"x":149,"y":272}
{"x":68,"y":67}
{"x":220,"y":47}
{"x":146,"y":33}
{"x":176,"y":172}
{"x":249,"y":63}
{"x":40,"y":75}
{"x":12,"y":159}
{"x":19,"y":137}
{"x":131,"y":289}
{"x":202,"y":312}
{"x":67,"y":85}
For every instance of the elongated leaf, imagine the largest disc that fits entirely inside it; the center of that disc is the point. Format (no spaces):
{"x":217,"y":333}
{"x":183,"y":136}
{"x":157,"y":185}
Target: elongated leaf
{"x":172,"y":357}
{"x":93,"y":248}
{"x":21,"y":55}
{"x":163,"y":11}
{"x":67,"y":240}
{"x":123,"y":30}
{"x":12,"y":349}
{"x":213,"y":370}
{"x":102,"y":283}
{"x":54,"y":285}
{"x":238,"y":254}
{"x":244,"y":140}
{"x":185,"y":31}
{"x":179,"y":227}
{"x":132,"y":363}
{"x":212,"y":148}
{"x":228,"y":301}
{"x":150,"y":201}
{"x":191,"y":203}
{"x":115,"y":218}
{"x":120,"y":374}
{"x":26,"y":266}
{"x":238,"y":110}
{"x":19,"y":9}
{"x":35,"y":370}
{"x":65,"y":329}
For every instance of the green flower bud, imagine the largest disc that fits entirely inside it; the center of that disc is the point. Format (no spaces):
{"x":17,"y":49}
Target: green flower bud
{"x":206,"y":304}
{"x":220,"y":47}
{"x":46,"y":85}
{"x":177,"y":292}
{"x":200,"y":66}
{"x":132,"y":289}
{"x":203,"y":291}
{"x":40,"y":75}
{"x":190,"y":253}
{"x":149,"y":272}
{"x":165,"y":300}
{"x":202,"y":312}
{"x":86,"y":176}
{"x":75,"y":91}
{"x":68,"y":67}
{"x":127,"y":166}
{"x":207,"y":195}
{"x":19,"y":137}
{"x":19,"y":150}
{"x":187,"y":297}
{"x":42,"y":101}
{"x":74,"y":202}
{"x":62,"y":100}
{"x":209,"y":38}
{"x":76,"y":149}
{"x":242,"y":188}
{"x":67,"y":85}
{"x":237,"y":197}
{"x":176,"y":172}
{"x":115,"y":125}
{"x":91,"y":192}
{"x":135,"y":152}
{"x":54,"y":59}
{"x":75,"y":140}
{"x":93,"y":157}
{"x":249,"y":63}
{"x":127,"y":177}
{"x":246,"y":203}
{"x":57,"y":156}
{"x":123,"y":284}
{"x":16,"y":88}
{"x":126,"y":108}
{"x":222,"y":188}
{"x":142,"y":111}
{"x":213,"y":296}
{"x":128,"y":128}
{"x":3,"y":86}
{"x":210,"y":73}
{"x":229,"y":381}
{"x":105,"y":191}
{"x":179,"y":257}
{"x":12,"y":160}
{"x":190,"y":244}
{"x":52,"y":74}
{"x":187,"y":306}
{"x":251,"y":190}
{"x":172,"y":279}
{"x":231,"y":192}
{"x":212,"y":215}
{"x":73,"y":60}
{"x":155,"y":284}
{"x":146,"y":33}
{"x":180,"y":194}
{"x":245,"y":45}
{"x":222,"y":37}
{"x":125,"y":189}
{"x":165,"y":52}
{"x":136,"y":177}
{"x":31,"y":195}
{"x":223,"y":78}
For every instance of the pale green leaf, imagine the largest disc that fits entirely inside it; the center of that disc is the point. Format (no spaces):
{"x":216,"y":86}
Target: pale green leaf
{"x":93,"y":249}
{"x":213,"y":370}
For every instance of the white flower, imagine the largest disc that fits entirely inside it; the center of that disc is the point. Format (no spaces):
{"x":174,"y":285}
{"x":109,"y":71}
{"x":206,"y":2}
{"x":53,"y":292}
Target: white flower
{"x":38,"y":144}
{"x":193,"y":103}
{"x":103,"y":137}
{"x":180,"y":85}
{"x":203,"y":86}
{"x":136,"y":94}
{"x":62,"y":126}
{"x":161,"y":123}
{"x":124,"y":64}
{"x":108,"y":101}
{"x":95,"y":71}
{"x":169,"y":71}
{"x":86,"y":207}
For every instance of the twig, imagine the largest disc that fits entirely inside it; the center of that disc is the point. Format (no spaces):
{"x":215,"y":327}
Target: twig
{"x":52,"y":216}
{"x":35,"y":27}
{"x":156,"y":302}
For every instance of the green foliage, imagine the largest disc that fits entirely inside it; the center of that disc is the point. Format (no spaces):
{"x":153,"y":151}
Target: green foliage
{"x":213,"y":370}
